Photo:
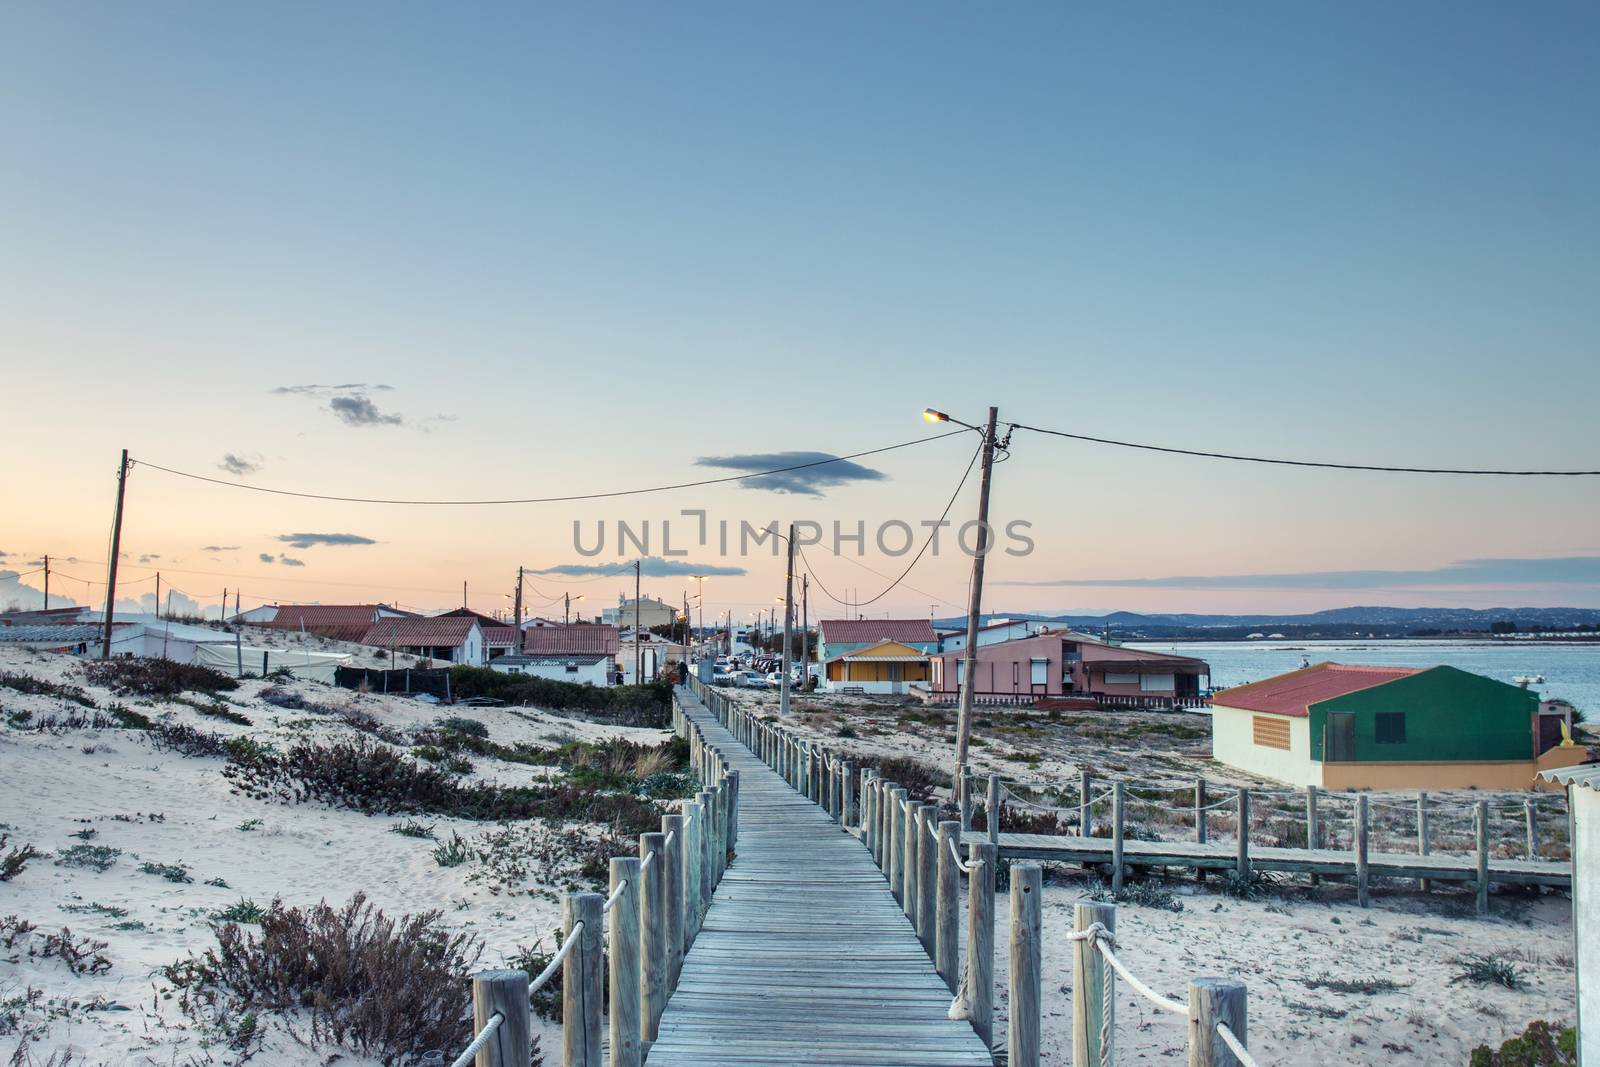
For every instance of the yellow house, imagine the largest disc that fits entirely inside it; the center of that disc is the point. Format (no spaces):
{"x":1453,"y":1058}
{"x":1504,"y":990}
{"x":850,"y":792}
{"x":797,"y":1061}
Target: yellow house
{"x":886,"y":667}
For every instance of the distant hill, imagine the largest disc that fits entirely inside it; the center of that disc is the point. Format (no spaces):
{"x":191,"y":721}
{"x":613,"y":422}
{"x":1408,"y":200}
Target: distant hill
{"x":1331,"y":623}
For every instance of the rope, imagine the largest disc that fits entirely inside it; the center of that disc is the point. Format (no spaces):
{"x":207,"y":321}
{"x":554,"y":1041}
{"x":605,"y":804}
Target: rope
{"x":1101,"y":939}
{"x":964,"y":868}
{"x":647,"y":860}
{"x":489,"y":1027}
{"x":616,"y":895}
{"x":556,"y":960}
{"x":1237,"y":1046}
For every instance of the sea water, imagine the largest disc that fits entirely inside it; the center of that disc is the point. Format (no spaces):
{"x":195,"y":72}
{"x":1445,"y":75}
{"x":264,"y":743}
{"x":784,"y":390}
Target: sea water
{"x":1571,"y":671}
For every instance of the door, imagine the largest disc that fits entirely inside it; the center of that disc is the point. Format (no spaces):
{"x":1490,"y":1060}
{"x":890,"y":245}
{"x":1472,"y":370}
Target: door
{"x":1339,"y":741}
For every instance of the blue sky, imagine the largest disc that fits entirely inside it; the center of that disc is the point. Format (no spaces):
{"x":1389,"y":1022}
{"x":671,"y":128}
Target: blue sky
{"x":586,"y":247}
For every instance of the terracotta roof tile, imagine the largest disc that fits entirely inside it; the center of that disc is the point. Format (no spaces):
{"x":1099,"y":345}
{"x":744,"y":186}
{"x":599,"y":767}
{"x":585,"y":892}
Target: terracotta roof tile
{"x":580,"y":637}
{"x":439,"y":631}
{"x":872,"y":631}
{"x":1293,"y":693}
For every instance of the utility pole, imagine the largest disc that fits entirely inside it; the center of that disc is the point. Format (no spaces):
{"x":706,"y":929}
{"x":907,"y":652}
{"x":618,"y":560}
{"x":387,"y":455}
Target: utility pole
{"x":236,"y":611}
{"x":158,"y":594}
{"x":463,"y":592}
{"x":805,"y":632}
{"x":519,"y":602}
{"x":47,"y":583}
{"x":788,"y":622}
{"x":975,"y":605}
{"x":566,"y":612}
{"x":116,"y":549}
{"x":638,"y":648}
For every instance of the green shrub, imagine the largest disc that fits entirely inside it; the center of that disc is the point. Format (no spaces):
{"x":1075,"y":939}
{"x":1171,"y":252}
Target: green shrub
{"x":1490,"y":970}
{"x":141,"y":676}
{"x":25,"y":683}
{"x":240,"y":911}
{"x":1542,"y":1044}
{"x":89,"y":857}
{"x":628,"y":705}
{"x":172,"y":872}
{"x":452,"y":853}
{"x":14,"y":862}
{"x":412,"y":828}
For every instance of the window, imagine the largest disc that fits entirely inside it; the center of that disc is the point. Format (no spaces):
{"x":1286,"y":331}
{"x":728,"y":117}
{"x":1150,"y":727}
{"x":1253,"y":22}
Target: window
{"x":1391,"y":727}
{"x":1157,"y":683}
{"x":1122,"y":677}
{"x":572,"y":668}
{"x":1269,"y":731}
{"x":1038,"y":669}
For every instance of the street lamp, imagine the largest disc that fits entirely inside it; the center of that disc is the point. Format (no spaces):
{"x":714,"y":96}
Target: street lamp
{"x":566,"y":617}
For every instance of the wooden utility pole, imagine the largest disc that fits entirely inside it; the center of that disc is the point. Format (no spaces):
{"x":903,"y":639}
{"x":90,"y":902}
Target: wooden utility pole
{"x":47,"y":583}
{"x":638,"y":648}
{"x":805,"y":633}
{"x":116,"y":549}
{"x":463,"y":592}
{"x":519,"y":603}
{"x":788,"y":623}
{"x":975,"y":605}
{"x":158,"y":594}
{"x":566,"y":611}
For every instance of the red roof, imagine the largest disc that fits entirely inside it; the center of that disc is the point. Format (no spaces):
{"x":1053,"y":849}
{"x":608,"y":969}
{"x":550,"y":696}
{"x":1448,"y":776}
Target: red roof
{"x":1295,"y":692}
{"x":439,"y":631}
{"x":580,"y":638}
{"x":872,"y":631}
{"x":344,"y":622}
{"x":500,"y":635}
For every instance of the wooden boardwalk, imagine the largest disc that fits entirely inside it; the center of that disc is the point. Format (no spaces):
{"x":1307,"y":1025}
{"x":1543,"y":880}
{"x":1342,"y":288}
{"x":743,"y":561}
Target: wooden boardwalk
{"x":804,"y":956}
{"x":1222,"y":855}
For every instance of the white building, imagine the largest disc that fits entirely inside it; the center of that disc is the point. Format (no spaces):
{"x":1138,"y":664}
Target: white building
{"x":651,"y":613}
{"x":585,"y":668}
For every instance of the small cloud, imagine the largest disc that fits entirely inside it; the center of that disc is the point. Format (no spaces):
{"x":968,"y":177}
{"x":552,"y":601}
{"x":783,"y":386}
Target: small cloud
{"x":308,"y":540}
{"x":325,"y":390}
{"x":815,"y":471}
{"x":149,"y":557}
{"x":235,"y":464}
{"x":357,"y":410}
{"x":267,"y":557}
{"x":290,"y":561}
{"x":219,"y":548}
{"x":651,"y":567}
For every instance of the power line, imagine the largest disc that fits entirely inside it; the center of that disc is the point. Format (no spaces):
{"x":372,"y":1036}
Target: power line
{"x":1306,"y":462}
{"x":914,"y":560}
{"x":546,"y":499}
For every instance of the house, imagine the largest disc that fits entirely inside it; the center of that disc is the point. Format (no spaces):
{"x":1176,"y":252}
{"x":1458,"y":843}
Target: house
{"x":499,"y":638}
{"x":1583,"y":801}
{"x":1344,"y":726}
{"x":835,"y":637}
{"x":586,"y":668}
{"x":886,"y":667}
{"x":579,"y":639}
{"x":992,"y":634}
{"x":452,"y":638}
{"x":1063,"y":663}
{"x":651,"y":613}
{"x":342,"y":622}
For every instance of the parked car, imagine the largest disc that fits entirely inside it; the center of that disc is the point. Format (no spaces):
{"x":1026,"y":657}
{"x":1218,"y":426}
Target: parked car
{"x":751,"y":680}
{"x":775,"y":679}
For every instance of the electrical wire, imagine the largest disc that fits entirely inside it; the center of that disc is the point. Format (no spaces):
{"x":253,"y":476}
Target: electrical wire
{"x":547,"y":499}
{"x":1306,"y":462}
{"x":914,"y":560}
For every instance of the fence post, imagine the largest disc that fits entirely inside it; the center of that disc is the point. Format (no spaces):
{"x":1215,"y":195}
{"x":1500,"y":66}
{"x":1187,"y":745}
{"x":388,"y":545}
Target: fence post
{"x":897,"y":843}
{"x":1027,"y":964}
{"x":983,"y":859}
{"x":909,"y":858}
{"x":1117,"y":802}
{"x":947,"y":923}
{"x":869,"y":822}
{"x":927,"y":875}
{"x":1530,"y":812}
{"x":1243,"y":864}
{"x":694,"y":831}
{"x":719,"y":831}
{"x":1090,"y":973}
{"x":1085,"y":809}
{"x":1213,"y":1001}
{"x":964,"y":797}
{"x":1312,"y":829}
{"x":992,"y":816}
{"x":1200,"y":811}
{"x":581,"y":994}
{"x":706,"y":878}
{"x":627,"y":1050}
{"x":732,"y":842}
{"x":672,"y":828}
{"x":653,"y":952}
{"x":505,"y":992}
{"x":1423,"y":845}
{"x":1363,"y":879}
{"x":1483,"y":857}
{"x":847,"y":782}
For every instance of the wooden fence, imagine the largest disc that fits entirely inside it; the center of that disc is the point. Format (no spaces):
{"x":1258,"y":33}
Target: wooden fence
{"x":654,"y":910}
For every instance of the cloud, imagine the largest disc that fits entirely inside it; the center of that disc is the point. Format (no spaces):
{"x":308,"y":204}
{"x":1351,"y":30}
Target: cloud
{"x":267,"y":558}
{"x":149,"y":557}
{"x":653,"y":567}
{"x":307,"y":540}
{"x":15,"y":593}
{"x":235,"y":464}
{"x":325,"y":390}
{"x":219,"y":548}
{"x":290,"y":561}
{"x":824,"y":471}
{"x":1569,"y":570}
{"x":4,"y":554}
{"x":357,"y":410}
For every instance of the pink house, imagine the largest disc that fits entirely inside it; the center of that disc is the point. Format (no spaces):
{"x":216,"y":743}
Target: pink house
{"x":1067,"y":664}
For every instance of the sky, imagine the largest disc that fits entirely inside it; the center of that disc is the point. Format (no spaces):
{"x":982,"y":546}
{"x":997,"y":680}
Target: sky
{"x":410,"y":251}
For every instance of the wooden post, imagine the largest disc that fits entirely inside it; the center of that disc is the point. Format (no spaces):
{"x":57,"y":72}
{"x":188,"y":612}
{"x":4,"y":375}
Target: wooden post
{"x":983,"y":859}
{"x":1213,"y":1001}
{"x":1117,"y":802}
{"x":1423,"y":845}
{"x":1362,"y":876}
{"x":897,"y":843}
{"x":1531,"y":814}
{"x":947,"y":923}
{"x":582,"y":997}
{"x":696,"y":826}
{"x":627,"y":1047}
{"x":706,"y":879}
{"x":1027,"y":964}
{"x":506,"y":993}
{"x":1483,"y":857}
{"x":964,"y":798}
{"x":731,"y":841}
{"x":1085,"y":812}
{"x":1200,"y":811}
{"x":992,"y":815}
{"x":1090,"y":973}
{"x":909,"y":859}
{"x":672,"y":827}
{"x":1243,"y":810}
{"x":1312,"y":827}
{"x":847,"y":782}
{"x":927,"y":875}
{"x":654,"y":953}
{"x":869,"y":824}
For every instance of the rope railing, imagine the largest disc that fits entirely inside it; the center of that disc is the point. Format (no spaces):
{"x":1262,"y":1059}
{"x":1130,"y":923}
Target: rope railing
{"x":489,"y":1027}
{"x":1236,"y":1046}
{"x":556,"y":960}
